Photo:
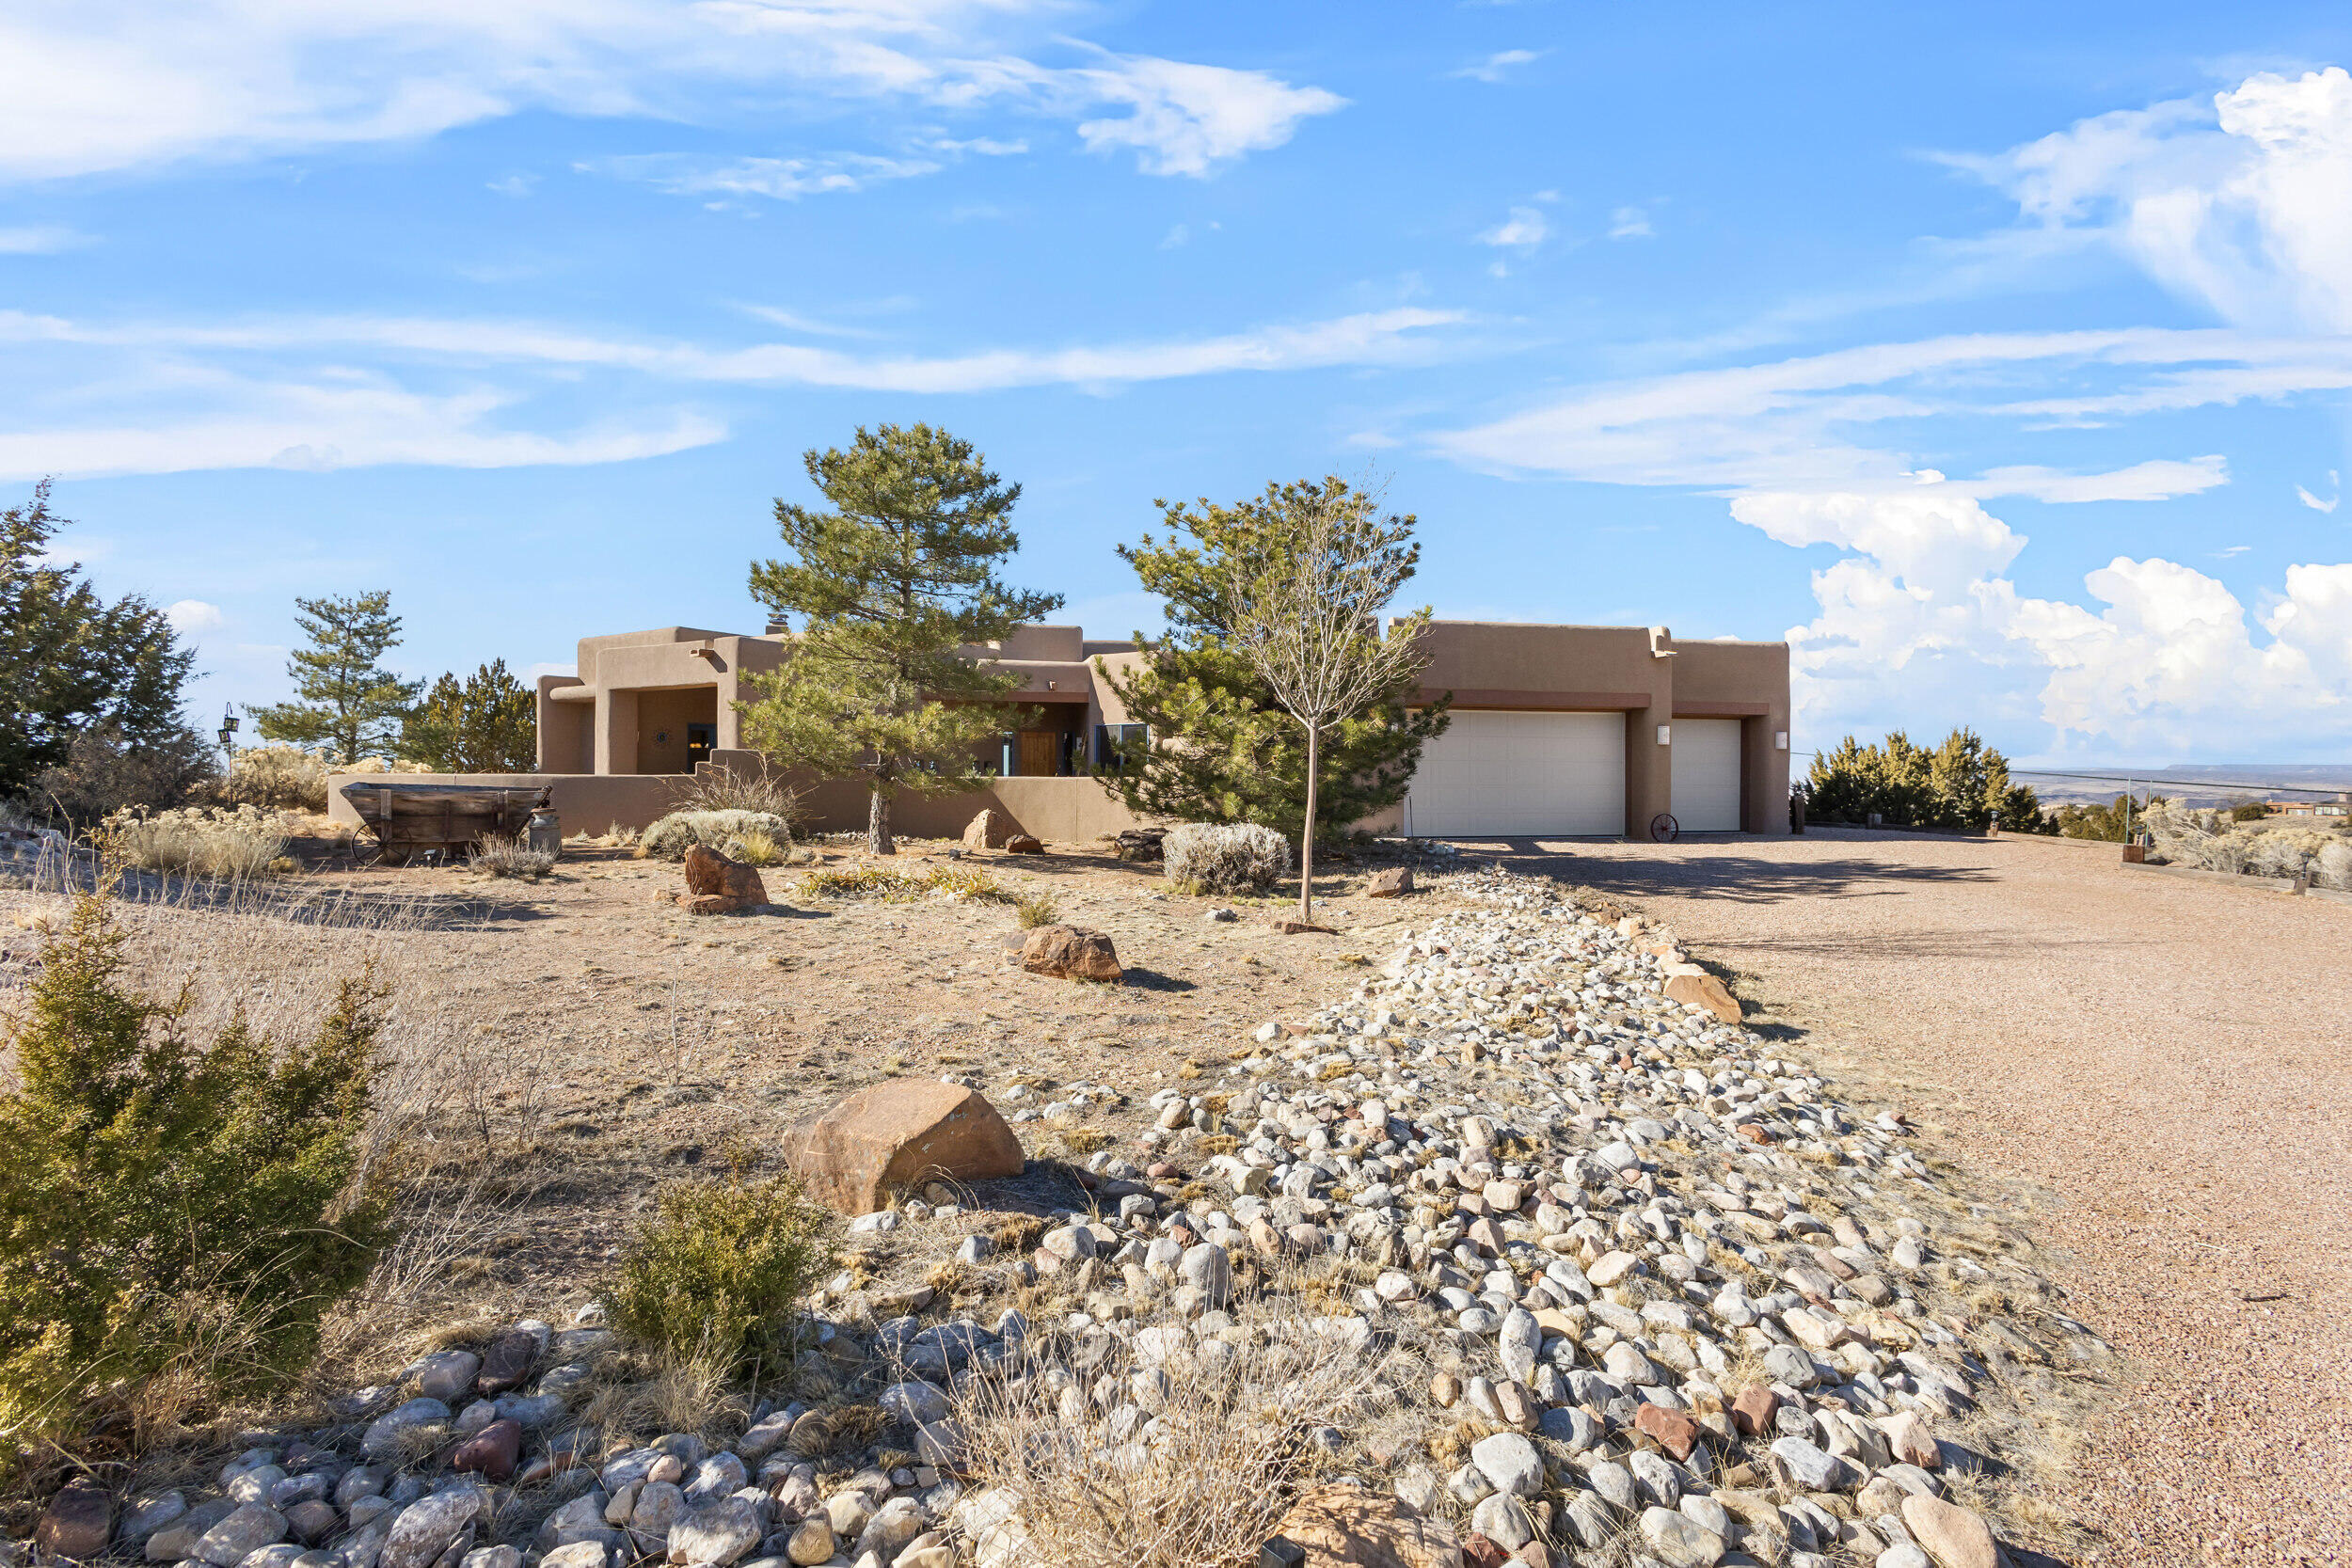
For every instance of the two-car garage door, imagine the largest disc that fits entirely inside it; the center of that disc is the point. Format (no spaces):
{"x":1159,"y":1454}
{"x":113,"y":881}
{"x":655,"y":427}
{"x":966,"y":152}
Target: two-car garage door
{"x":1522,"y":774}
{"x":1518,"y":775}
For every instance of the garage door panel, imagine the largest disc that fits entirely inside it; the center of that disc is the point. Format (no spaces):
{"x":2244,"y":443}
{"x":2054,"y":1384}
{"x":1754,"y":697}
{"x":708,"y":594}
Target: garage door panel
{"x":1705,"y":775}
{"x":1520,"y":774}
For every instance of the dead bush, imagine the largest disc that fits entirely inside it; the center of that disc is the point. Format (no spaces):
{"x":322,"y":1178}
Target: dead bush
{"x":1065,"y":1481}
{"x":1225,"y":857}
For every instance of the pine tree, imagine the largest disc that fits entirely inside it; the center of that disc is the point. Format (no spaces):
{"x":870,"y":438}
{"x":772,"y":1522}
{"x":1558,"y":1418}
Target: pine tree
{"x":346,"y":701}
{"x":71,"y":663}
{"x":486,"y":723}
{"x":1242,"y":758}
{"x":888,"y":587}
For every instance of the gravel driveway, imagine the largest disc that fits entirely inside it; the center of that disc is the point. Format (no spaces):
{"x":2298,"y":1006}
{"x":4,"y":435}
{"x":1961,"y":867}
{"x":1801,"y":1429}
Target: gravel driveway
{"x":2153,"y":1068}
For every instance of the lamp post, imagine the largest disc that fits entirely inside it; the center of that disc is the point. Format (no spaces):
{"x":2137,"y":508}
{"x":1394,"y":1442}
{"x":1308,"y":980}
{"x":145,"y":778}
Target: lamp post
{"x":229,"y":731}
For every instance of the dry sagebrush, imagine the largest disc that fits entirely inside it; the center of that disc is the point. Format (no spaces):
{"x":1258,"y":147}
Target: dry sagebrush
{"x":1225,"y":857}
{"x":1182,"y":1460}
{"x":203,"y":841}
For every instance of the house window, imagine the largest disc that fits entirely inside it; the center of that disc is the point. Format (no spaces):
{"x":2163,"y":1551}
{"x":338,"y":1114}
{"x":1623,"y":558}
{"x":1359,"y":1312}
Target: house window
{"x":1114,"y":742}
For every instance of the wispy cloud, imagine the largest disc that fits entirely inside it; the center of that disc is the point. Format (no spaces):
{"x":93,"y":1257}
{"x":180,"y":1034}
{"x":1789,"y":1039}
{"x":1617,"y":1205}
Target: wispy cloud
{"x":782,"y":179}
{"x":106,"y":84}
{"x":278,"y":392}
{"x":1629,"y":223}
{"x":1495,"y":67}
{"x":2236,"y":202}
{"x":40,"y":239}
{"x":1806,"y":420}
{"x":2315,"y":502}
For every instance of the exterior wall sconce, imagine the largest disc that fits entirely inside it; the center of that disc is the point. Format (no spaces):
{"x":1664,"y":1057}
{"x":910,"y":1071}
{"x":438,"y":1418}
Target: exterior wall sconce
{"x":1049,"y":686}
{"x":1666,"y":735}
{"x":1780,"y":740}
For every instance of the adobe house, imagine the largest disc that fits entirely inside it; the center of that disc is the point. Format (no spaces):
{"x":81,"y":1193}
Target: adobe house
{"x":1557,"y":732}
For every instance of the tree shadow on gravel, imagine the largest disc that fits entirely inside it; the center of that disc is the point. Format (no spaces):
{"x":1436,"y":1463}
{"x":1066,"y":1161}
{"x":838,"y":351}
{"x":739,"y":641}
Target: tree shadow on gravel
{"x":1741,"y":878}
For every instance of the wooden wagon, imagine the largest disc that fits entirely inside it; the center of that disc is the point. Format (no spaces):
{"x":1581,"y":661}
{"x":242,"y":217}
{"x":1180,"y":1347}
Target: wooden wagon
{"x":409,"y":819}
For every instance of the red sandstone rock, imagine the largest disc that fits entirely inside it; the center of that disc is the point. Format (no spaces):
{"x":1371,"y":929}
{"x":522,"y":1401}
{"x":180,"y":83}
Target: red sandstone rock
{"x":896,"y":1136}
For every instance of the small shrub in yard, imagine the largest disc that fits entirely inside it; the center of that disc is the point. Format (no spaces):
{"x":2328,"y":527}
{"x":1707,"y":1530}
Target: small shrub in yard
{"x":673,"y":835}
{"x":720,"y":1271}
{"x":1037,"y":908}
{"x":500,"y":855}
{"x":1225,"y":857}
{"x":168,"y":1208}
{"x":203,"y":841}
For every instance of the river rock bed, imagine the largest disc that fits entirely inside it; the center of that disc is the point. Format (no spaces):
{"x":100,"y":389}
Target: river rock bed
{"x":1602,"y":1278}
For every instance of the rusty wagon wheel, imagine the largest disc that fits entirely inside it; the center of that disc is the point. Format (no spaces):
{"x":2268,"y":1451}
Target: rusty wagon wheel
{"x":1664,"y":828}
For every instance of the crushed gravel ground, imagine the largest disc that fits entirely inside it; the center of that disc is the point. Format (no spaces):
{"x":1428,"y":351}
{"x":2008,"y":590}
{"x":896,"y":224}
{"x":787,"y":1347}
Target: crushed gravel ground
{"x":2152,"y":1067}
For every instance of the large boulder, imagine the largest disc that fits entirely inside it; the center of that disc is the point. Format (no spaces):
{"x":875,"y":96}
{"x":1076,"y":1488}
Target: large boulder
{"x":1024,"y":844}
{"x":717,"y":886}
{"x":1345,"y":1526}
{"x":1393,"y":882}
{"x":984,"y":832}
{"x":897,"y":1135}
{"x":1068,"y":952}
{"x":1705,"y":992}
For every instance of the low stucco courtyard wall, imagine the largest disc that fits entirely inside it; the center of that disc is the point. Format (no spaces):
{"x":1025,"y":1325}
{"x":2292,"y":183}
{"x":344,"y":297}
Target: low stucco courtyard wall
{"x":1059,"y":811}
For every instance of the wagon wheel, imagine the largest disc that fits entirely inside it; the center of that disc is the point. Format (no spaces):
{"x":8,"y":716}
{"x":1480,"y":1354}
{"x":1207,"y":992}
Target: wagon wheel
{"x":1664,"y":828}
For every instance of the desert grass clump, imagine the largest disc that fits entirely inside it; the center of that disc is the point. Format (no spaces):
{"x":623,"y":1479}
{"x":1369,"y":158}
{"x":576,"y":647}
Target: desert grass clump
{"x":673,"y":835}
{"x":1226,"y":1454}
{"x":1225,"y":857}
{"x":1034,"y":910}
{"x":227,"y":842}
{"x":504,"y":855}
{"x":758,"y":850}
{"x":867,"y":879}
{"x":172,"y":1212}
{"x":718,"y":1273}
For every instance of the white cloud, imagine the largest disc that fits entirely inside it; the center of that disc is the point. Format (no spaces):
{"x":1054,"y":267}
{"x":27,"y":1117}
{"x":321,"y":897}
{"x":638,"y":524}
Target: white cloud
{"x":1920,"y":624}
{"x":1189,"y":118}
{"x":182,"y":396}
{"x":1629,"y":223}
{"x":88,"y":85}
{"x":1806,"y":422}
{"x":2315,"y":502}
{"x":323,"y":424}
{"x":1176,"y":237}
{"x":782,"y":179}
{"x":1495,"y":67}
{"x":1524,"y":230}
{"x":40,"y":239}
{"x":2240,"y":204}
{"x":189,"y":617}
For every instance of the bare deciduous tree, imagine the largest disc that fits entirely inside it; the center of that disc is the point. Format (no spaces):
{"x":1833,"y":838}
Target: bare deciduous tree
{"x":1305,"y":615}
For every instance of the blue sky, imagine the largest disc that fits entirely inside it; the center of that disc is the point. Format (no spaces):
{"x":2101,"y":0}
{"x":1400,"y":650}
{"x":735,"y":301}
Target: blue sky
{"x":1995,"y":355}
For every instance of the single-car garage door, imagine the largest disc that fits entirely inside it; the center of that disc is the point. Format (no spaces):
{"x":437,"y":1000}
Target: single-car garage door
{"x":1522,"y":774}
{"x":1706,"y":775}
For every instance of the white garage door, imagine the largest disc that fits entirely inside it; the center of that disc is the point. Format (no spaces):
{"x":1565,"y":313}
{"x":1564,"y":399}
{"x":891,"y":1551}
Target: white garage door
{"x":1705,"y":778}
{"x":1520,"y":774}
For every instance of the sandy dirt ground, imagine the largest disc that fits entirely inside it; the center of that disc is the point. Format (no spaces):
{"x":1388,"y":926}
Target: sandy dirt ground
{"x":585,"y":1040}
{"x":2151,"y":1072}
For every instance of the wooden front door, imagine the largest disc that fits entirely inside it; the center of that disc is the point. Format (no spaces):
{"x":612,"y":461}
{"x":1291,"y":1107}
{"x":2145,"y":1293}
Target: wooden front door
{"x":1041,"y":753}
